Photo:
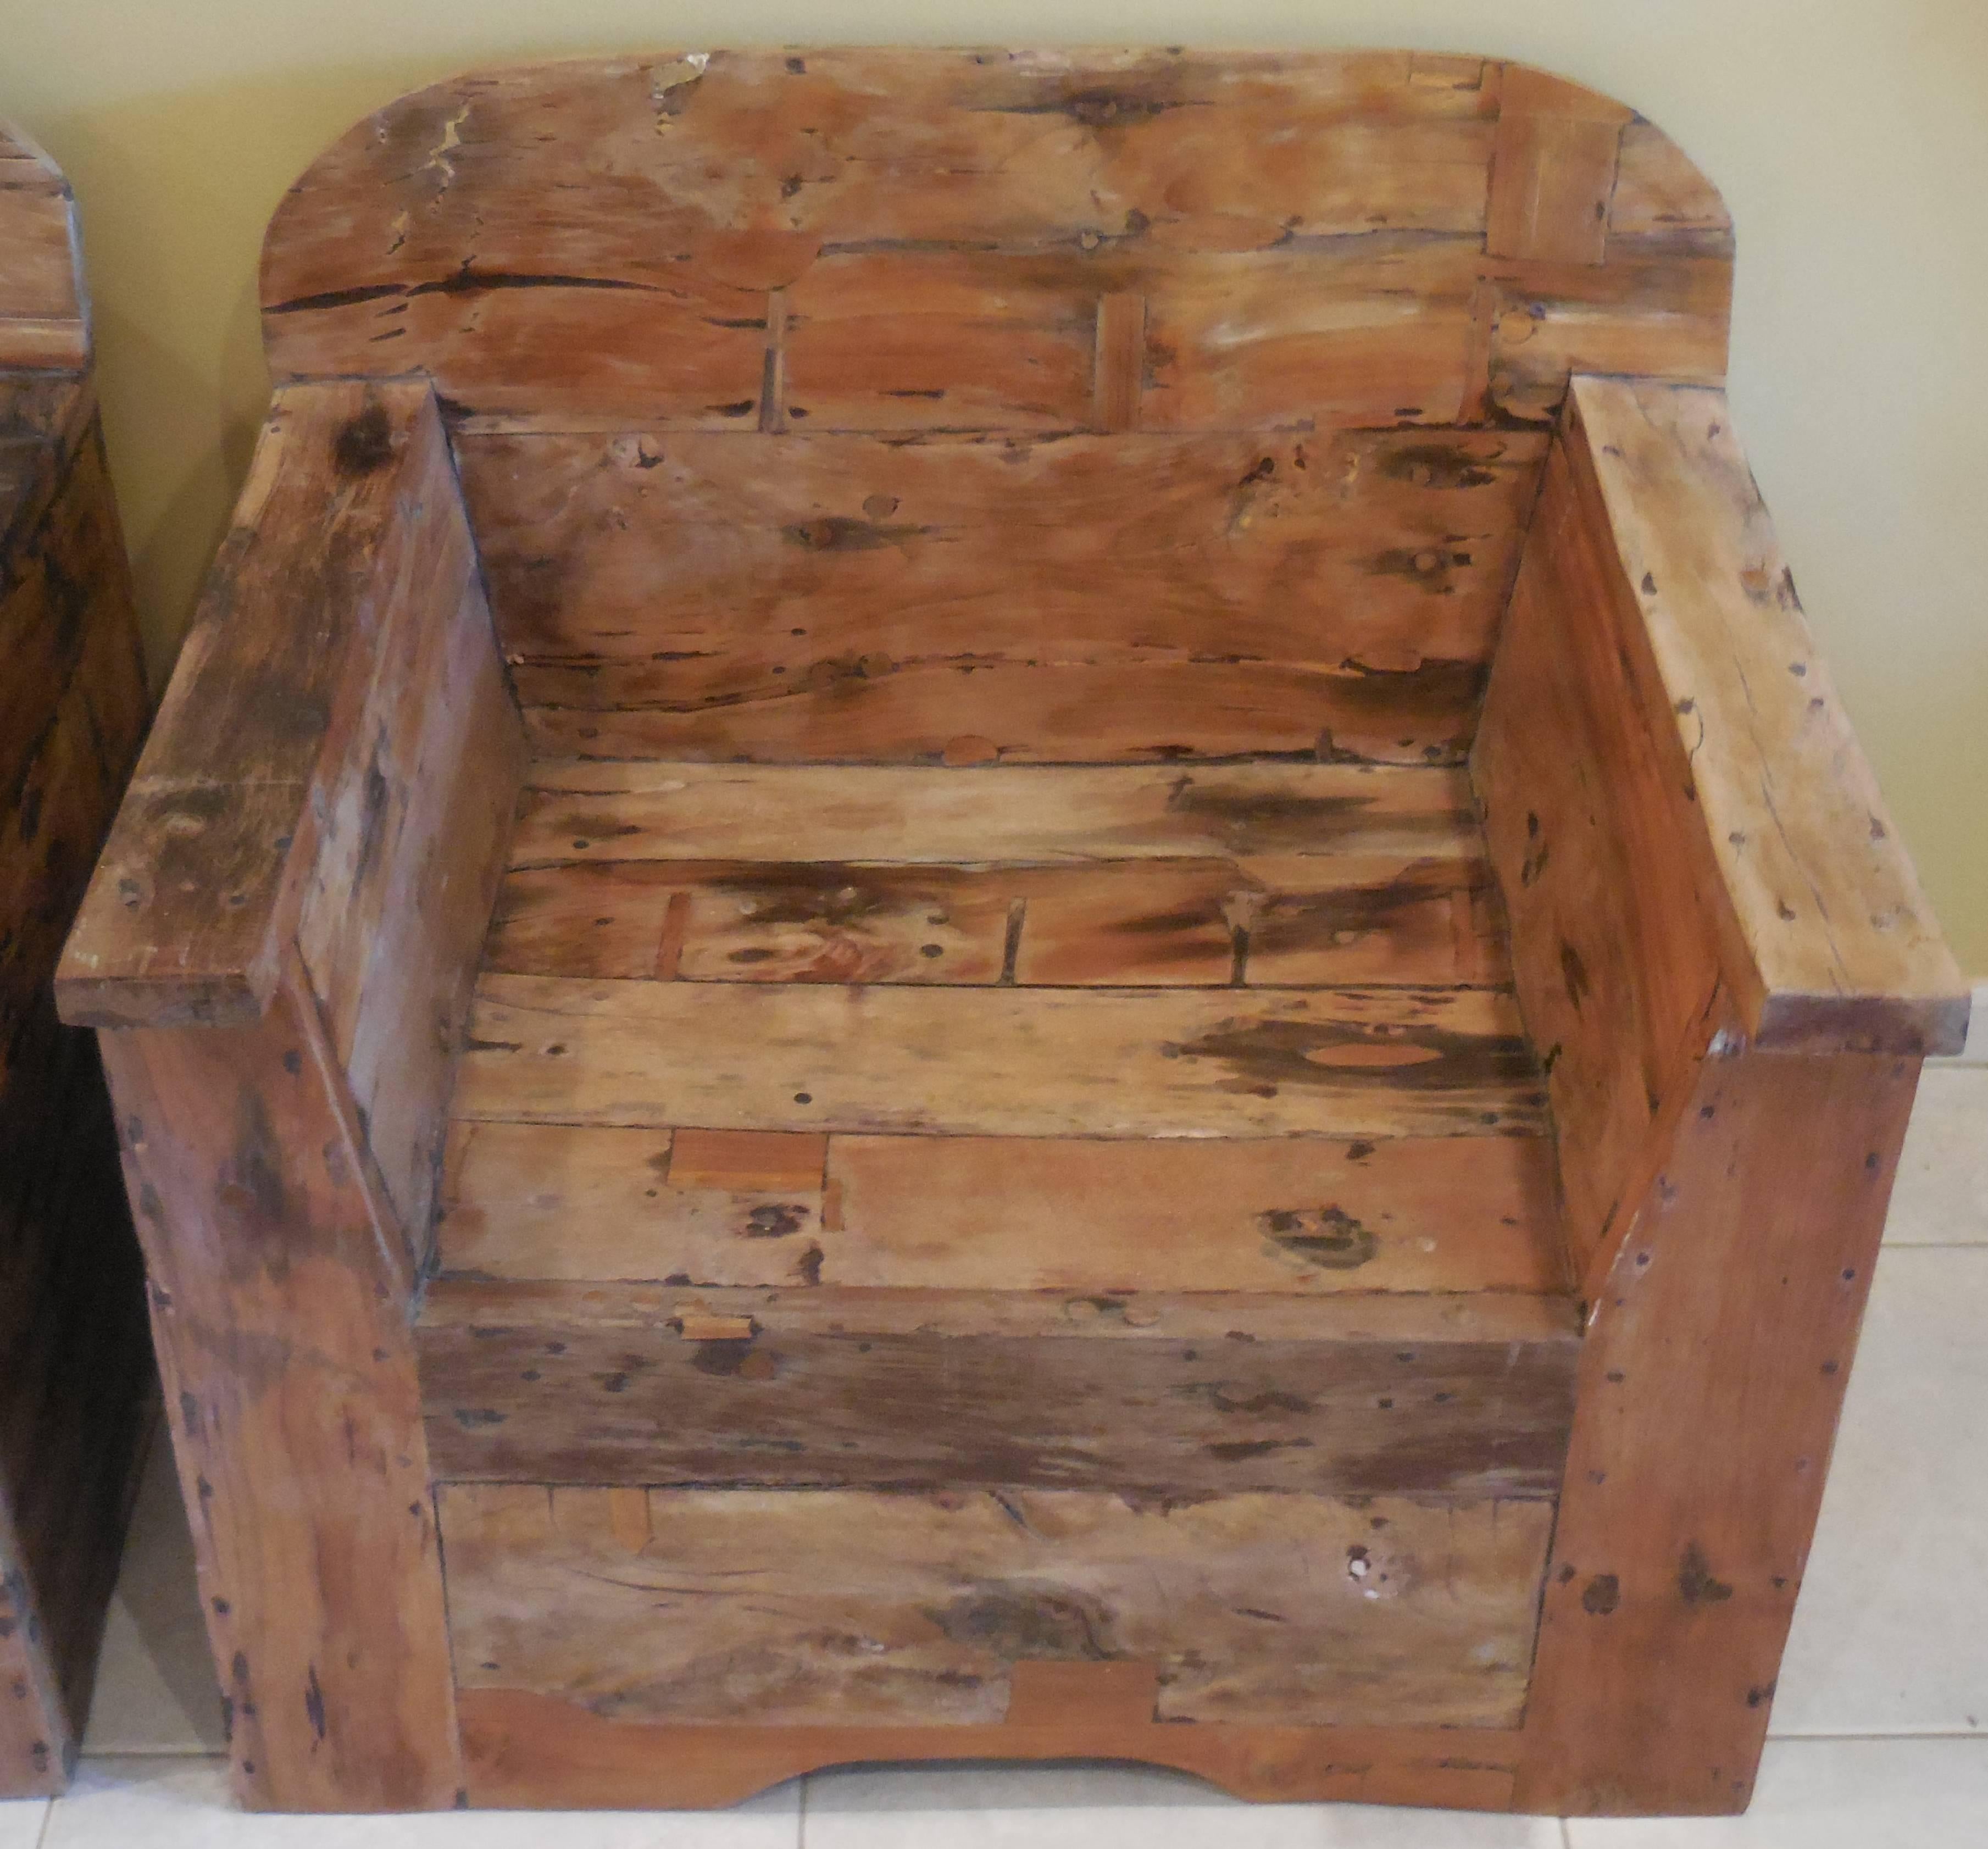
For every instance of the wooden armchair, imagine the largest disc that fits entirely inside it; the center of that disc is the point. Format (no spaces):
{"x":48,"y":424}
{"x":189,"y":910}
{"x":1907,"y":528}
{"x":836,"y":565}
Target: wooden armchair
{"x":76,"y":1391}
{"x":1001,"y":906}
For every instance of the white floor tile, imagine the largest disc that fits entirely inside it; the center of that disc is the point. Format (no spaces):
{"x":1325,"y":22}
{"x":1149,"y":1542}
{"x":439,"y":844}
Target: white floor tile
{"x":1892,"y":1633}
{"x":1941,"y":1196}
{"x":155,"y":1803}
{"x":1833,"y":1794}
{"x":21,"y":1820}
{"x":1085,"y":1806}
{"x":155,"y":1688}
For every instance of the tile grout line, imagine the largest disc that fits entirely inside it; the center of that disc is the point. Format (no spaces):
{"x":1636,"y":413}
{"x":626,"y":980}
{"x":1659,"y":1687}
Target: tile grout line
{"x":800,"y":1811}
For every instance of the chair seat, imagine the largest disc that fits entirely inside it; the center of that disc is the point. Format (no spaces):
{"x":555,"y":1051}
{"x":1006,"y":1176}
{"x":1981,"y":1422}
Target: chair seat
{"x":980,"y":1060}
{"x":1152,"y":1157}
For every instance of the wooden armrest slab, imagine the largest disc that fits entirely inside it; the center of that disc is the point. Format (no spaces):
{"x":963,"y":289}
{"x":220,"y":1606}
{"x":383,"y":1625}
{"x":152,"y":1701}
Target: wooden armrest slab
{"x":351,"y":506}
{"x":1831,"y":945}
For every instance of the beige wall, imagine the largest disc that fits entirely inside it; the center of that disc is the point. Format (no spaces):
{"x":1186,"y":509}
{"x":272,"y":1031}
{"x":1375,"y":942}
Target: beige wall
{"x":1850,"y":136}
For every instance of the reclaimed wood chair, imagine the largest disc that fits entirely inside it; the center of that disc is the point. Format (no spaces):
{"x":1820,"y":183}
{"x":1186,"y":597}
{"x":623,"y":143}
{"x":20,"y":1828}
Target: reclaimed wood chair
{"x":1001,"y":906}
{"x":76,"y":1391}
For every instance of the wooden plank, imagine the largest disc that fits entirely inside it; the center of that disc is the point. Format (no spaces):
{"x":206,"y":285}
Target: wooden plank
{"x":688,"y":349}
{"x":1661,"y":200}
{"x":1552,"y":170}
{"x":1444,"y":1214}
{"x":1840,"y":948}
{"x":75,"y":1384}
{"x":1048,"y":815}
{"x":525,"y":1751}
{"x":1297,"y":921}
{"x":1069,"y":714}
{"x":1433,"y":919}
{"x":411,"y":835}
{"x":1317,"y":332}
{"x":1711,"y":1379}
{"x":1163,"y":923}
{"x":947,"y":1591}
{"x":593,"y":1383}
{"x":753,"y":921}
{"x":940,"y":227}
{"x":1293,"y":919}
{"x":62,"y":538}
{"x":1198,"y":149}
{"x":1176,"y":1063}
{"x":1118,"y":362}
{"x":43,"y":312}
{"x":282,"y":1329}
{"x":1382,"y":546}
{"x":198,"y":889}
{"x":1655,"y":313}
{"x":735,"y":1158}
{"x":558,"y":1201}
{"x":1608,"y":880}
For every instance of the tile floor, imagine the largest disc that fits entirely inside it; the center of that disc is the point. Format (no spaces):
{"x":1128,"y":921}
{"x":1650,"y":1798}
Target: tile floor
{"x":1878,"y":1730}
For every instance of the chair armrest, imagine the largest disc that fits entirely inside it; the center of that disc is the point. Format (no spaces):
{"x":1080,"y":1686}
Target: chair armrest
{"x":349,"y":508}
{"x":1691,"y":847}
{"x":319,"y":821}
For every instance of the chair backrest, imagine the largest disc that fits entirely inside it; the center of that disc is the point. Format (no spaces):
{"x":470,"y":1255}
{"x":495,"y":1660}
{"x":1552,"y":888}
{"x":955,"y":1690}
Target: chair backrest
{"x":903,"y":405}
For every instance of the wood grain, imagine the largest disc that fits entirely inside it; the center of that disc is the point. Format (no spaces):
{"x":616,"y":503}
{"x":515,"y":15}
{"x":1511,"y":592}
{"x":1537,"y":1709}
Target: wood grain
{"x":1837,"y":947}
{"x":76,"y":1391}
{"x":1288,"y":920}
{"x":943,"y":1594}
{"x":417,"y":801}
{"x":1698,"y":1462}
{"x":1176,"y":1063}
{"x":856,"y":557}
{"x":1050,"y":815}
{"x":1198,"y":1393}
{"x":1163,"y":711}
{"x":200,"y":886}
{"x":525,"y":1750}
{"x":279,"y":1307}
{"x":1552,"y":170}
{"x":1607,"y":878}
{"x":1305,"y":231}
{"x":1446,"y":1213}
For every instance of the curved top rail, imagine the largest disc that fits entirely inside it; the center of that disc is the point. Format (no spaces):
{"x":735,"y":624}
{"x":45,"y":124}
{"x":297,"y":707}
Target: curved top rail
{"x":907,"y":239}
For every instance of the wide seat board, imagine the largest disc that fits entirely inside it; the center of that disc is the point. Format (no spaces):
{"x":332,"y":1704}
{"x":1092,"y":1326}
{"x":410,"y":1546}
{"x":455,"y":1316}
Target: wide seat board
{"x":851,"y":1607}
{"x":540,"y":1202}
{"x":1338,"y":1062}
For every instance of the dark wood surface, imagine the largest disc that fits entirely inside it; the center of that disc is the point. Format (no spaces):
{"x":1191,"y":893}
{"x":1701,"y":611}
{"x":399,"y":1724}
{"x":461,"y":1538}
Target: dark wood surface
{"x":1442,"y":1397}
{"x":76,"y":1391}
